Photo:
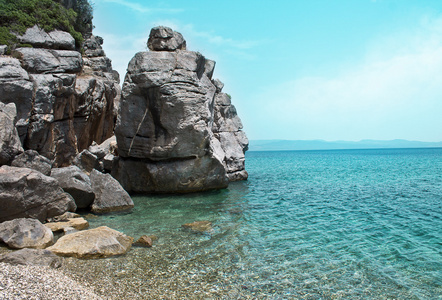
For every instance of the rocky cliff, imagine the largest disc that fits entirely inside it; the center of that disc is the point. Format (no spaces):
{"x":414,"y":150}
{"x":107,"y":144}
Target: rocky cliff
{"x":176,"y":131}
{"x":64,"y":100}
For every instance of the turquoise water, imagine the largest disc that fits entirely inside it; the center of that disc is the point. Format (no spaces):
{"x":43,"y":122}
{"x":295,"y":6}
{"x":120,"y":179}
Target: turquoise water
{"x":344,"y":224}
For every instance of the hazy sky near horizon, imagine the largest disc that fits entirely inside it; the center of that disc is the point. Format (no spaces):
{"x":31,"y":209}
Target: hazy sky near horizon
{"x":302,"y":70}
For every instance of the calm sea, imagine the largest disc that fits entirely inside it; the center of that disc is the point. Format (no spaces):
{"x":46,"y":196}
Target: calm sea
{"x":344,"y":224}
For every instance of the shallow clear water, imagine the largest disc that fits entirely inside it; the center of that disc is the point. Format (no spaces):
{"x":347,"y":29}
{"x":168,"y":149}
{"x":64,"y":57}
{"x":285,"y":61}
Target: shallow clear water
{"x":344,"y":224}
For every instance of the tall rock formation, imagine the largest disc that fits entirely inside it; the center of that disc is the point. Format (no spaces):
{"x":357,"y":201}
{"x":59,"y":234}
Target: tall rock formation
{"x":64,"y":100}
{"x":176,"y":131}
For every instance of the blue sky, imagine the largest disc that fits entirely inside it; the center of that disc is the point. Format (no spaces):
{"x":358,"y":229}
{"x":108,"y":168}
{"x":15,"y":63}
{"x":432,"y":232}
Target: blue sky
{"x":302,"y":70}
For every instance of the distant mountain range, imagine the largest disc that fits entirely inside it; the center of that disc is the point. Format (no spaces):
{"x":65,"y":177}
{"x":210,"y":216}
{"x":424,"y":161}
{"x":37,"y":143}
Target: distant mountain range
{"x":279,"y":145}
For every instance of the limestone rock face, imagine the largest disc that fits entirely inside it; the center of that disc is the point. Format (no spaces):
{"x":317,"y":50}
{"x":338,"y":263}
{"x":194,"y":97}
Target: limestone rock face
{"x":168,"y":140}
{"x":16,"y":87}
{"x":32,"y":160}
{"x":109,"y":195}
{"x":227,"y":129}
{"x":26,"y":233}
{"x":76,"y":183}
{"x":64,"y":101}
{"x":10,"y":145}
{"x":32,"y":257}
{"x":93,"y":243}
{"x":26,"y":193}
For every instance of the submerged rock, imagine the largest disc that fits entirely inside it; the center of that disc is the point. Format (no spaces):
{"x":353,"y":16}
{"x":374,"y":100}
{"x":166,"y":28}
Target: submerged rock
{"x":25,"y":233}
{"x":93,"y":243}
{"x":26,"y":193}
{"x":202,"y":227}
{"x":32,"y":257}
{"x":144,"y":241}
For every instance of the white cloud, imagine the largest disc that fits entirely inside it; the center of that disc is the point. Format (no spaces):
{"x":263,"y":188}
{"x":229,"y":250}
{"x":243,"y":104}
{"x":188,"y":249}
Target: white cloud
{"x":394,"y":92}
{"x":141,"y":8}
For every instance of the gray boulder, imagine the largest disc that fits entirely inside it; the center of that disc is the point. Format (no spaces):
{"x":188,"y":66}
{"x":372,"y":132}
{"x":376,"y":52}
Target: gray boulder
{"x":32,"y":257}
{"x":26,"y":193}
{"x":53,"y":40}
{"x":36,"y":60}
{"x":109,"y":194}
{"x":32,"y":160}
{"x":10,"y":145}
{"x":169,"y":125}
{"x":165,"y":39}
{"x":76,"y":183}
{"x":25,"y":233}
{"x":87,"y":161}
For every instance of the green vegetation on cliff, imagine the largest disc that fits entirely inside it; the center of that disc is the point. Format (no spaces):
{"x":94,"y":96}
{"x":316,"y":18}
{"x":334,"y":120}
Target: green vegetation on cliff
{"x":18,"y":15}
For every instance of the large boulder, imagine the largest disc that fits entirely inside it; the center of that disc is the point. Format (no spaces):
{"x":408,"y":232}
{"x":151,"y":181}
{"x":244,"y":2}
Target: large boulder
{"x":109,"y":194}
{"x":53,"y":40}
{"x":32,"y":257}
{"x":76,"y":183}
{"x":26,"y":193}
{"x":164,"y":129}
{"x":25,"y":233}
{"x":93,"y":243}
{"x":32,"y":160}
{"x":39,"y":61}
{"x":10,"y":145}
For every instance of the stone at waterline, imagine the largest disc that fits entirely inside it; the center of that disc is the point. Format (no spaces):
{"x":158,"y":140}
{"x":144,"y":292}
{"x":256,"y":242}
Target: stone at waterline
{"x":76,"y":183}
{"x":32,"y":257}
{"x":32,"y":160}
{"x":109,"y":194}
{"x":93,"y":243}
{"x":76,"y":223}
{"x":25,"y":233}
{"x":202,"y":227}
{"x":144,"y":241}
{"x":26,"y":193}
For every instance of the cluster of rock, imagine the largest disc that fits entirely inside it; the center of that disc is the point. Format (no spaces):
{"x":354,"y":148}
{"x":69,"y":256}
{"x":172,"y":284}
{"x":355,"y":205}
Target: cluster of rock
{"x":176,"y":131}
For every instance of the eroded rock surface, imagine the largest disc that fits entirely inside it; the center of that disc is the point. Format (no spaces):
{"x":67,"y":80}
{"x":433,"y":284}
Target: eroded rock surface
{"x":10,"y":145}
{"x":93,"y":243}
{"x":170,"y":131}
{"x":26,"y":193}
{"x":64,"y":100}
